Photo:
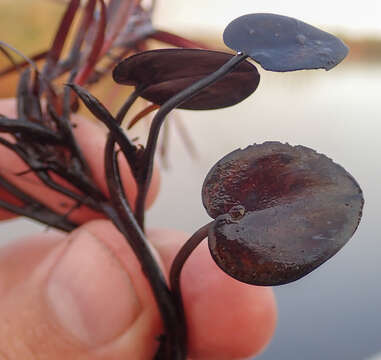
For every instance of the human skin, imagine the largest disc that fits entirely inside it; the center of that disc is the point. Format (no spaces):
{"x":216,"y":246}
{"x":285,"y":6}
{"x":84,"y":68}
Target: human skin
{"x":83,"y":295}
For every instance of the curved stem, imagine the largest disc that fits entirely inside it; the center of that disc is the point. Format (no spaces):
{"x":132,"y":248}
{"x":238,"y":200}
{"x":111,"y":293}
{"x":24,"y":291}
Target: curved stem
{"x":177,"y":266}
{"x":184,"y":253}
{"x":147,"y":162}
{"x":127,"y":105}
{"x":124,"y":219}
{"x":142,"y":114}
{"x":26,"y":58}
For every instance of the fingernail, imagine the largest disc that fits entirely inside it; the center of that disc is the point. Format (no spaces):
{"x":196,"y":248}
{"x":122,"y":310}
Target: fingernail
{"x":90,"y":293}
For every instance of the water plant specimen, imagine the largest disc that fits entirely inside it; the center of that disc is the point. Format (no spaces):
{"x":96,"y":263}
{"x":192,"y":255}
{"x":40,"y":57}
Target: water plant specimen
{"x":279,"y":210}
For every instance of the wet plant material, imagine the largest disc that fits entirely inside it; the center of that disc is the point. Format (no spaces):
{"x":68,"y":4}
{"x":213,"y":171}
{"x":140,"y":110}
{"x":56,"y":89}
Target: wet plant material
{"x":279,"y":211}
{"x":161,"y":74}
{"x":282,"y":43}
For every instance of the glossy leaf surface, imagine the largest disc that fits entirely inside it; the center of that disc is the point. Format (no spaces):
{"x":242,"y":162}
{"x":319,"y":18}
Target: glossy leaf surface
{"x":282,"y":43}
{"x":164,"y":73}
{"x":281,"y":211}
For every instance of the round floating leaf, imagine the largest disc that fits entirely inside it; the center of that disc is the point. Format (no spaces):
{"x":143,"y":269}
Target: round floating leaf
{"x":281,"y":211}
{"x":282,"y":43}
{"x":164,"y":73}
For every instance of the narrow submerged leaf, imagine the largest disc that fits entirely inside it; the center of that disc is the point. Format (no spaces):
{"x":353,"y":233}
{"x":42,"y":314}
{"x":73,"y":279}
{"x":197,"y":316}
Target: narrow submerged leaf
{"x":142,"y":114}
{"x":175,"y":40}
{"x":81,"y":32}
{"x":282,"y":43}
{"x":162,"y":74}
{"x":118,"y":14}
{"x":26,"y":101}
{"x":96,"y":46}
{"x":102,"y":114}
{"x":281,"y":211}
{"x":59,"y":41}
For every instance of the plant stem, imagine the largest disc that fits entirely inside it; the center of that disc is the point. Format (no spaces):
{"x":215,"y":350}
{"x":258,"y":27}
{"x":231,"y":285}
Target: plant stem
{"x":67,"y":131}
{"x":110,"y":154}
{"x":122,"y":216}
{"x":34,"y":209}
{"x":127,"y":105}
{"x":149,"y":153}
{"x":177,"y":266}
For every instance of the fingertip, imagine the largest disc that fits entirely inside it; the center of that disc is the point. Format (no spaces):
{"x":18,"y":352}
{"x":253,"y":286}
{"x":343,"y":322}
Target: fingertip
{"x":92,"y":312}
{"x":226,"y":319}
{"x":20,"y":257}
{"x":87,"y":296}
{"x":141,"y":339}
{"x":8,"y":107}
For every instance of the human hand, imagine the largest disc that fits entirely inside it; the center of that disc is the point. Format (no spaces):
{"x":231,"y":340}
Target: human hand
{"x":83,"y":295}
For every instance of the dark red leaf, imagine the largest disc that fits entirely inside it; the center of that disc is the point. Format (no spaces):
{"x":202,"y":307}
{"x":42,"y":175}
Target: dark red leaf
{"x":280,"y":212}
{"x":164,"y":73}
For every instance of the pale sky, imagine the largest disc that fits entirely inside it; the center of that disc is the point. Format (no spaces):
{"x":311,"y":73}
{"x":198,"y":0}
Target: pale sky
{"x":356,"y":17}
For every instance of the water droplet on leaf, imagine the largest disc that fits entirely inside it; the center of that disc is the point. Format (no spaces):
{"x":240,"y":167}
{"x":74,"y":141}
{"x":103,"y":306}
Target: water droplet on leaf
{"x":301,"y":39}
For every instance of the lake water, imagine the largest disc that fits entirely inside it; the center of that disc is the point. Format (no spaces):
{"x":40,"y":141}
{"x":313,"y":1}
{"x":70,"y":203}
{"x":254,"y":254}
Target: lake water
{"x":335,"y":312}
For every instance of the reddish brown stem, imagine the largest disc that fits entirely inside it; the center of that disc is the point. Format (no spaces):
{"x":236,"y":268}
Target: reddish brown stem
{"x":96,"y":47}
{"x":172,"y":39}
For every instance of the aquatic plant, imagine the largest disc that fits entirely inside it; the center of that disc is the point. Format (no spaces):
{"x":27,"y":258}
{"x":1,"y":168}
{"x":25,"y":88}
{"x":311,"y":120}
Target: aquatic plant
{"x":279,"y":211}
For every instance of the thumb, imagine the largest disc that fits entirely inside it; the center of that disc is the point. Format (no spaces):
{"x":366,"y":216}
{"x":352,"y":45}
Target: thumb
{"x":80,"y":298}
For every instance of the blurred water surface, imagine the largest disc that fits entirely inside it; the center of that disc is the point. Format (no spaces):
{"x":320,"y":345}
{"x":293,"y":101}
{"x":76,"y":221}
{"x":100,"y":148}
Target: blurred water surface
{"x":333,"y":313}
